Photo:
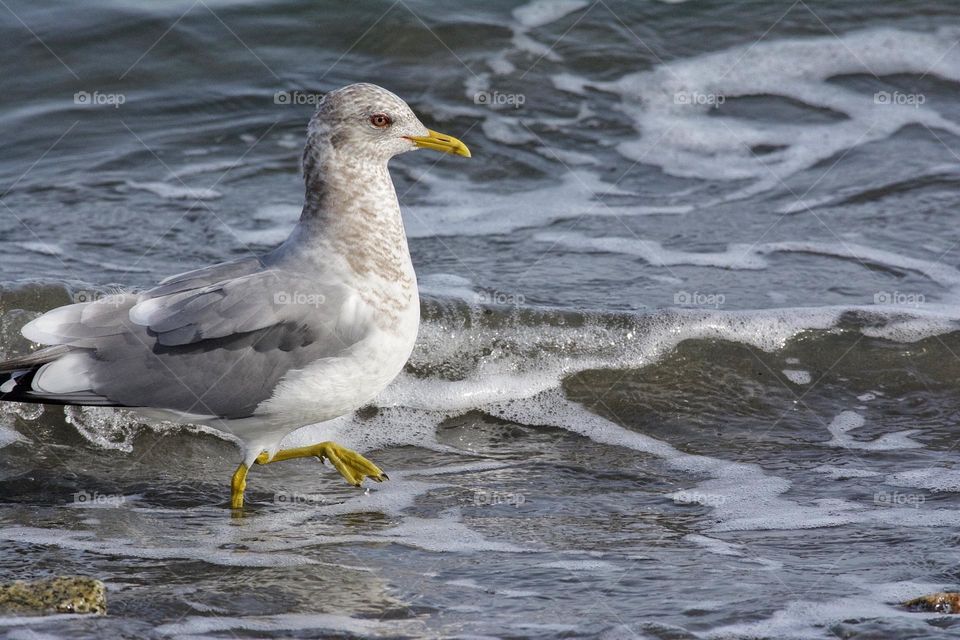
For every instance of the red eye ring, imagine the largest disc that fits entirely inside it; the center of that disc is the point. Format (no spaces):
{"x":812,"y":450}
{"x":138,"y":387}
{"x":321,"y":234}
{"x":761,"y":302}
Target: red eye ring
{"x":380,"y":120}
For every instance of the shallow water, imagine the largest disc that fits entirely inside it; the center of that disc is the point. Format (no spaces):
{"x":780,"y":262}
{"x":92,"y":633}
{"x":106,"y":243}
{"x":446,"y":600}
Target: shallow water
{"x":689,"y":355}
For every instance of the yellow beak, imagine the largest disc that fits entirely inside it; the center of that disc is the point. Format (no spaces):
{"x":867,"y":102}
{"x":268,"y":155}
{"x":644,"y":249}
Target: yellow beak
{"x":440,"y":142}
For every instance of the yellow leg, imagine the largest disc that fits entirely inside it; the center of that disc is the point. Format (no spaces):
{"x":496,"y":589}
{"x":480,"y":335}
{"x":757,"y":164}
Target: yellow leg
{"x":237,"y":484}
{"x":351,"y":465}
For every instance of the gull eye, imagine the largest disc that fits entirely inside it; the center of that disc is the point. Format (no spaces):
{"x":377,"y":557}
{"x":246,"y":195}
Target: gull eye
{"x":380,"y":120}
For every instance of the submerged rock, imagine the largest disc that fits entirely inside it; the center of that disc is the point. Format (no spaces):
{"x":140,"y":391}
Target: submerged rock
{"x":64,"y":594}
{"x":941,"y":602}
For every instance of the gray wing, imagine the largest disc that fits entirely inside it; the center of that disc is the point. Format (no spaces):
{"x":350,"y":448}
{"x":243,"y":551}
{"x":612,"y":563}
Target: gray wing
{"x":211,"y":342}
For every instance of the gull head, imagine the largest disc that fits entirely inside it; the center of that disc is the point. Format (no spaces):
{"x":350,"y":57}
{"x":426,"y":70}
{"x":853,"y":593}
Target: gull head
{"x":366,"y":121}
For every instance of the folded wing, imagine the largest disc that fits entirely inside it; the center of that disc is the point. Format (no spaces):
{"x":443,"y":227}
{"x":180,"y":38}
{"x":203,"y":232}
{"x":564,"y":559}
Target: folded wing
{"x":215,"y":341}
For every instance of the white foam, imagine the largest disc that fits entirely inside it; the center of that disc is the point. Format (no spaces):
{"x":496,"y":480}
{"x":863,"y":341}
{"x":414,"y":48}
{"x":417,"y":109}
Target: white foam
{"x":672,"y":102}
{"x":569,"y":157}
{"x":268,"y":236}
{"x":654,"y":253}
{"x":723,"y":548}
{"x":44,"y":248}
{"x":9,"y":436}
{"x":802,"y":618}
{"x":276,"y":221}
{"x":24,"y":410}
{"x":843,"y":473}
{"x":451,"y":210}
{"x":806,"y":202}
{"x":582,"y":565}
{"x":541,"y":12}
{"x":932,"y":479}
{"x":104,"y":426}
{"x":289,"y":141}
{"x":715,"y":545}
{"x":200,"y":168}
{"x":446,"y":284}
{"x":744,"y":256}
{"x":446,"y":535}
{"x":912,"y":329}
{"x":286,"y":214}
{"x":84,"y":541}
{"x":29,"y":634}
{"x":798,"y":376}
{"x":763,"y":507}
{"x":391,"y":498}
{"x":428,"y":403}
{"x":175,"y":191}
{"x":530,"y":364}
{"x":936,"y":271}
{"x":327,"y":622}
{"x":505,"y":130}
{"x":847,"y":421}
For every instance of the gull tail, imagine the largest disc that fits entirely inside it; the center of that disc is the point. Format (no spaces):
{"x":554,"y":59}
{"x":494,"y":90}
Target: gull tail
{"x":19,"y":380}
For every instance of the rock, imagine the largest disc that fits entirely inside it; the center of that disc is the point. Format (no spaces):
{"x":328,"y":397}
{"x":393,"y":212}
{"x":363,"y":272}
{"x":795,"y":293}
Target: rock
{"x":942,"y":602}
{"x":64,"y":594}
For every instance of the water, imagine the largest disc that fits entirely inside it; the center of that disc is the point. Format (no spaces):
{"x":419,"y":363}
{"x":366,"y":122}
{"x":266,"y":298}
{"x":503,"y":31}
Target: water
{"x":688,"y":363}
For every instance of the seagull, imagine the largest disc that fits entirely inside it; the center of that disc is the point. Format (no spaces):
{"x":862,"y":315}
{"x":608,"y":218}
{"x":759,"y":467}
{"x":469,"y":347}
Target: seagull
{"x":260,"y":346}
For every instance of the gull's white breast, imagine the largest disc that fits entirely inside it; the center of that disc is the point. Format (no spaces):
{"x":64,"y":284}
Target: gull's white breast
{"x":334,"y":386}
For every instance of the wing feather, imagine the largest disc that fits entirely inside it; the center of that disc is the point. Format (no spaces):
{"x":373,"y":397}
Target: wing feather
{"x":180,"y":345}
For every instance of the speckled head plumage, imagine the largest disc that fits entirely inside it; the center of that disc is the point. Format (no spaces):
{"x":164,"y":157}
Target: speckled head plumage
{"x":351,"y":137}
{"x":366,"y":121}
